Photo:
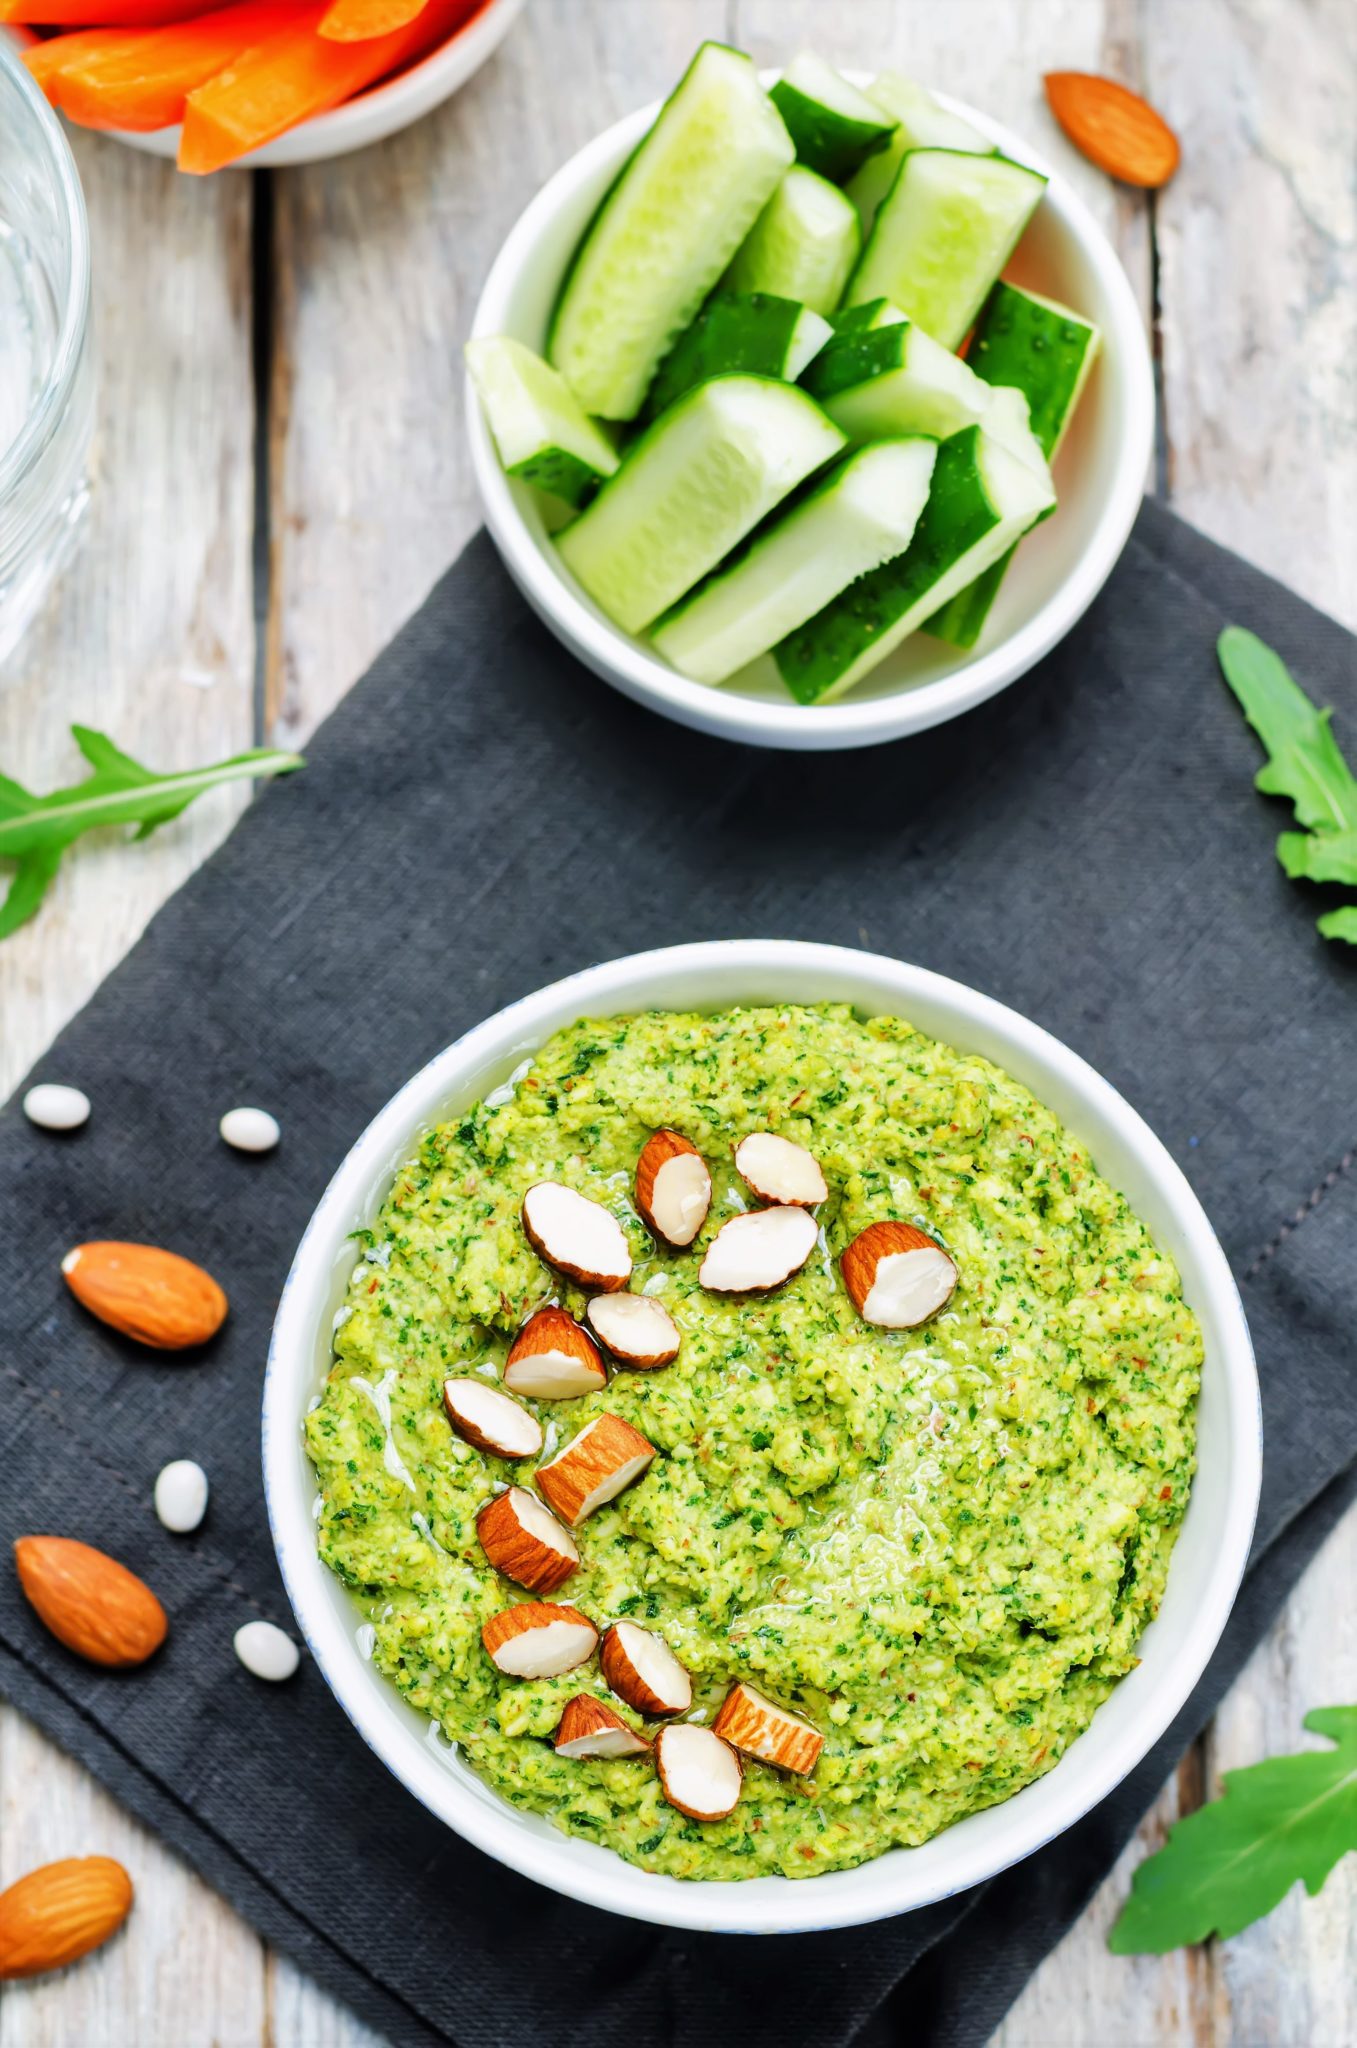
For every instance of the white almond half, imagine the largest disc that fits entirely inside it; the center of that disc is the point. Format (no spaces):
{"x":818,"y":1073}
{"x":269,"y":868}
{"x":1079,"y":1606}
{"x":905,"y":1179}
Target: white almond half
{"x":538,"y":1640}
{"x":641,"y":1669}
{"x":636,"y":1329}
{"x":762,"y":1729}
{"x":588,"y":1728}
{"x":553,"y":1359}
{"x":699,"y":1774}
{"x":778,"y":1170}
{"x":525,"y":1541}
{"x":896,"y":1276}
{"x":491,"y":1420}
{"x":606,"y":1456}
{"x":753,"y":1253}
{"x":673,"y":1188}
{"x":576,"y":1236}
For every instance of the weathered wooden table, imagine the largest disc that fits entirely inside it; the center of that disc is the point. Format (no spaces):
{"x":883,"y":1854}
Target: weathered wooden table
{"x":282,"y":473}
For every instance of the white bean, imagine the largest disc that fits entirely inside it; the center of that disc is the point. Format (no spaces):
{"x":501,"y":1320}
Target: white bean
{"x":56,"y":1108}
{"x":181,"y":1495}
{"x":250,"y":1130}
{"x":266,"y":1651}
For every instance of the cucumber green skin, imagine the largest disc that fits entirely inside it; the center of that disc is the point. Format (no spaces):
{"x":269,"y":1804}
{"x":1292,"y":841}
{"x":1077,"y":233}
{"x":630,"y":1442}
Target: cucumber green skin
{"x":563,"y":474}
{"x":735,"y":332}
{"x":958,"y":513}
{"x":826,"y":141}
{"x":1045,"y":353}
{"x":859,"y":319}
{"x":853,"y":358}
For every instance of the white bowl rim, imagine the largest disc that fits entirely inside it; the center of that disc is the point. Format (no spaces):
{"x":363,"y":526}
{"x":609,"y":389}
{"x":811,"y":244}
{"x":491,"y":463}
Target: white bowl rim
{"x":914,"y":707}
{"x":580,"y":1870}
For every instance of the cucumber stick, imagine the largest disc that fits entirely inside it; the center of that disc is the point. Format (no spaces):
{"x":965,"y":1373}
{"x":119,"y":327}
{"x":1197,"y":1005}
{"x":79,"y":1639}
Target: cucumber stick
{"x":864,"y":319}
{"x":944,"y":231}
{"x":982,"y":499}
{"x":1045,"y":351}
{"x":920,"y":123}
{"x":540,"y":430}
{"x":754,"y":332}
{"x":802,"y":246}
{"x":665,"y":232}
{"x":862,"y":513}
{"x":690,"y":489}
{"x":834,"y":126}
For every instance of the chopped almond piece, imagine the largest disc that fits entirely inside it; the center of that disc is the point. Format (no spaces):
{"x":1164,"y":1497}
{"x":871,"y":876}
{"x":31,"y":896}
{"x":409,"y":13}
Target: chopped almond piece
{"x":576,"y":1236}
{"x":606,"y":1456}
{"x":490,"y":1420}
{"x":751,"y":1723}
{"x":753,"y":1254}
{"x":778,"y":1170}
{"x":673,"y":1189}
{"x":636,"y":1329}
{"x":537,"y":1640}
{"x":897,"y":1276}
{"x":699,"y":1773}
{"x":554,"y":1359}
{"x":525,"y":1541}
{"x":641,"y":1669}
{"x":588,"y":1728}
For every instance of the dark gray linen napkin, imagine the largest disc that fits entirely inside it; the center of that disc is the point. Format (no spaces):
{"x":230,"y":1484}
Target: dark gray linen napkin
{"x":478,"y":817}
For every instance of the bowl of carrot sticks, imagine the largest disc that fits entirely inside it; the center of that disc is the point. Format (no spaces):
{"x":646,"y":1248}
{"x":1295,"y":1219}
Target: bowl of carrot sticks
{"x":253,"y":82}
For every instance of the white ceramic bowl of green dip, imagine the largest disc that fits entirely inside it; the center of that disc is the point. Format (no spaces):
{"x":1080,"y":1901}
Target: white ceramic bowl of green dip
{"x":1206,"y":1562}
{"x":1100,"y":476}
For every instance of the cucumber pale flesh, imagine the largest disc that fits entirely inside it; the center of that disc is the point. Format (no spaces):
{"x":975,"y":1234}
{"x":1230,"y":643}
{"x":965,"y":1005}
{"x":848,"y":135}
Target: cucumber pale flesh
{"x":751,"y":332}
{"x":862,"y":513}
{"x":803,"y":245}
{"x":690,"y":489}
{"x":982,"y":499}
{"x":834,"y":126}
{"x":945,"y":230}
{"x":540,"y":430}
{"x":920,"y":123}
{"x":666,"y":231}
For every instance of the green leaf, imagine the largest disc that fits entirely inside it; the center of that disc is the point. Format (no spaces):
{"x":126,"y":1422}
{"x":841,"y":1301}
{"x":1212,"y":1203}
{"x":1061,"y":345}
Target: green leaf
{"x":1341,"y":924}
{"x":1277,"y":1823}
{"x":1304,"y":764}
{"x":36,"y":830}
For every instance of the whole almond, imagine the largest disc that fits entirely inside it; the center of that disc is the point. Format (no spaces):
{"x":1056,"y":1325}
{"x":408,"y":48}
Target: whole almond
{"x":1113,"y":127}
{"x":91,"y":1603}
{"x":154,"y":1296}
{"x":60,"y":1912}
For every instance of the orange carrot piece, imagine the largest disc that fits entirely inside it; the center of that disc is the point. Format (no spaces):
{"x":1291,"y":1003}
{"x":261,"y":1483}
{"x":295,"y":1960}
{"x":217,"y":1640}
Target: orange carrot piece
{"x":47,"y":58}
{"x":353,"y":21}
{"x":102,"y":13}
{"x":292,"y":76}
{"x":140,"y":81}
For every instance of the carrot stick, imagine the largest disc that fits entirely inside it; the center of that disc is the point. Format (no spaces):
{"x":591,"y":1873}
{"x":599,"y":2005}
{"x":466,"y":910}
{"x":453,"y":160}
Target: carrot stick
{"x":47,"y":58}
{"x":139,"y":81}
{"x":293,"y":75}
{"x":353,"y":21}
{"x":92,"y":13}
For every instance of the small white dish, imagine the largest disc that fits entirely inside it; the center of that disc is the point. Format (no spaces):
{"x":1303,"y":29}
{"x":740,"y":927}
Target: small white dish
{"x":1208,"y":1560}
{"x":1100,"y":476}
{"x":382,"y":111}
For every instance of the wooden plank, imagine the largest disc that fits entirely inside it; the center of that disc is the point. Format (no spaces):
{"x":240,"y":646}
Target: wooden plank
{"x":150,"y":636}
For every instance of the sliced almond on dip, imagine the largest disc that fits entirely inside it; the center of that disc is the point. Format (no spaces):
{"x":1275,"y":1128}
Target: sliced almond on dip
{"x":699,"y":1774}
{"x":553,"y":1359}
{"x":751,"y":1723}
{"x":641,"y":1669}
{"x":576,"y":1236}
{"x":606,"y":1456}
{"x":755,"y":1253}
{"x":525,"y":1541}
{"x":778,"y":1170}
{"x":673,"y":1189}
{"x":537,"y":1640}
{"x":588,"y":1728}
{"x":490,"y":1420}
{"x":897,"y":1276}
{"x":636,"y":1329}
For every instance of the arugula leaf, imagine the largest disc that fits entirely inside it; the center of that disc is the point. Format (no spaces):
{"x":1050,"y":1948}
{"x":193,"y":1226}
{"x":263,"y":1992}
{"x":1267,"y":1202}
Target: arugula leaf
{"x":1304,"y":764}
{"x":1231,"y":1862}
{"x":36,"y":830}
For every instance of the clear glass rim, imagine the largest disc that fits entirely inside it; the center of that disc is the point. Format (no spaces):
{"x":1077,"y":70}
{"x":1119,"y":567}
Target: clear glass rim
{"x":45,"y":414}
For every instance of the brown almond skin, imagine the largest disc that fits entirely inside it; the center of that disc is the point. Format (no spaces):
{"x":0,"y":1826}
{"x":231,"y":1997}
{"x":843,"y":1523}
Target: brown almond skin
{"x":658,"y":1149}
{"x":1113,"y":127}
{"x":514,"y":1554}
{"x":153,"y":1296}
{"x":858,"y":1261}
{"x":586,"y":1716}
{"x":89,"y":1601}
{"x":791,"y":1743}
{"x":60,"y":1912}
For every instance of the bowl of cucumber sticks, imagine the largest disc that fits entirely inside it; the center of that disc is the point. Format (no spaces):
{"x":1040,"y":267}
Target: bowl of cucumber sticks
{"x":809,"y":409}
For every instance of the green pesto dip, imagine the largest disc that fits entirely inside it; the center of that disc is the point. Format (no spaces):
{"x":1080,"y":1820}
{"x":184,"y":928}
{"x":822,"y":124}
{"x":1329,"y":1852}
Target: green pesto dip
{"x":939,"y":1545}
